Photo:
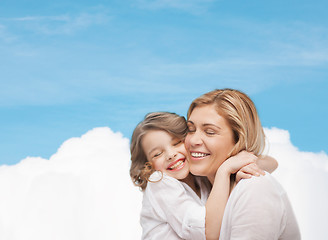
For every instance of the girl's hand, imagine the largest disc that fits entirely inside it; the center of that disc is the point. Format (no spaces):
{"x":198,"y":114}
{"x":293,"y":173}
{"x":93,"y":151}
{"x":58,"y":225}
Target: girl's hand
{"x":248,"y":171}
{"x":243,"y":160}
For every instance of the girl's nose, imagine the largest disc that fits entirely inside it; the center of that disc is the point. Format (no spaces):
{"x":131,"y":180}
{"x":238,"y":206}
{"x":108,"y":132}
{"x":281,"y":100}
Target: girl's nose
{"x":171,"y":155}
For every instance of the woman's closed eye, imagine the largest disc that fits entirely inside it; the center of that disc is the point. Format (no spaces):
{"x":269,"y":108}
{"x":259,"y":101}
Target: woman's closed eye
{"x":210,"y":131}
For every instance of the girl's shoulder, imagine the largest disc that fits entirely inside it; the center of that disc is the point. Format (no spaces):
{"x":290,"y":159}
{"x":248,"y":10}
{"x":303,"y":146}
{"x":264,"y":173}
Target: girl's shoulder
{"x":159,"y":179}
{"x":161,"y":185}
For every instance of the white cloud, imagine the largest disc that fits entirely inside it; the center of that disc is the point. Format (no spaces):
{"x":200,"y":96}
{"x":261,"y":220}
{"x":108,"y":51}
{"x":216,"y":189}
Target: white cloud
{"x":84,"y":190}
{"x":304,"y":175}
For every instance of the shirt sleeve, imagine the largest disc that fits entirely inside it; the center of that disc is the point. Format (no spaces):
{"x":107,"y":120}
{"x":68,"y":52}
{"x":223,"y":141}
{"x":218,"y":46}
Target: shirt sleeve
{"x":254,"y":212}
{"x":183,"y":213}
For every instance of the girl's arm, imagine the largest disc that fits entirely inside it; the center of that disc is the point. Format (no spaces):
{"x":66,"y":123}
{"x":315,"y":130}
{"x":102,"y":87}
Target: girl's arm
{"x":219,"y":195}
{"x":267,"y":163}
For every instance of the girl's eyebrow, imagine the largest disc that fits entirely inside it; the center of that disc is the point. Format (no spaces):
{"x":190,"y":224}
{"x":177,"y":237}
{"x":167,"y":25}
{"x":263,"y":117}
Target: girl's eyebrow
{"x":152,"y":150}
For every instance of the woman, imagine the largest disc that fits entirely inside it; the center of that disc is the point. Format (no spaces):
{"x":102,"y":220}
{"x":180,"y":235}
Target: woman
{"x":222,"y":123}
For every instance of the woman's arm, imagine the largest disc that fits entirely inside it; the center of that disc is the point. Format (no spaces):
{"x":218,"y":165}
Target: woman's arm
{"x":219,"y":195}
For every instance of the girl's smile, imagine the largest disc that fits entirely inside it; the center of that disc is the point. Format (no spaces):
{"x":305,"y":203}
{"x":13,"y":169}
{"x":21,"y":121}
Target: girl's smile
{"x":166,"y":153}
{"x":177,"y":165}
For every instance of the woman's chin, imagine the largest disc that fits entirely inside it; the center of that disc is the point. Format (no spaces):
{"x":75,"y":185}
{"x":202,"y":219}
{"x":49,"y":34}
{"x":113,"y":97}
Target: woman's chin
{"x":197,"y":171}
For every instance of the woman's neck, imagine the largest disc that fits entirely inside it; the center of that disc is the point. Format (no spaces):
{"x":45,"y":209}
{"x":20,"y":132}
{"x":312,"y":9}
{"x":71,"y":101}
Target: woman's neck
{"x":211,"y":178}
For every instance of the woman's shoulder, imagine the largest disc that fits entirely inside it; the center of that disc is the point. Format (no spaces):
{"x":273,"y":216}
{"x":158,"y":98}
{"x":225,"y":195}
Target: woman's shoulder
{"x":263,"y":184}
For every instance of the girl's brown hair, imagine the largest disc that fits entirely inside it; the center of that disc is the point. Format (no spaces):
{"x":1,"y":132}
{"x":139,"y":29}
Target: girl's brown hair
{"x":141,"y":168}
{"x":240,"y":112}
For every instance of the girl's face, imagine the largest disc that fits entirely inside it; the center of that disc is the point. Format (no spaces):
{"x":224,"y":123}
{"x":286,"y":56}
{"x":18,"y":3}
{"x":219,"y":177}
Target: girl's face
{"x":166,"y":153}
{"x":209,"y":141}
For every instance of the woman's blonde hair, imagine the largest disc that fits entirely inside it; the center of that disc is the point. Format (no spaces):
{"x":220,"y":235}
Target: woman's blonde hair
{"x":141,"y":168}
{"x":240,"y":112}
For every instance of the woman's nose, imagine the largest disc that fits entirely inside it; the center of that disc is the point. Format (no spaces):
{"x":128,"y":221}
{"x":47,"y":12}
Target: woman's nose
{"x":194,"y":138}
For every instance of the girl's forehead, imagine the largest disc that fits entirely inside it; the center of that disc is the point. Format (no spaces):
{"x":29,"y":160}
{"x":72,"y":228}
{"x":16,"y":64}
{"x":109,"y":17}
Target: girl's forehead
{"x":158,"y":134}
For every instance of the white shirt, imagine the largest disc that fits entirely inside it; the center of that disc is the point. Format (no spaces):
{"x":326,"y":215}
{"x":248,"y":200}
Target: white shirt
{"x":172,"y":210}
{"x":258,"y":209}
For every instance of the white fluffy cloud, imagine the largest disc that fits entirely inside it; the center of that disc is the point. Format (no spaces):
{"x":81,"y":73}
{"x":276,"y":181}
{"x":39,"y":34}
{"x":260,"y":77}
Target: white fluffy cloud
{"x":84,"y":190}
{"x":304,"y":175}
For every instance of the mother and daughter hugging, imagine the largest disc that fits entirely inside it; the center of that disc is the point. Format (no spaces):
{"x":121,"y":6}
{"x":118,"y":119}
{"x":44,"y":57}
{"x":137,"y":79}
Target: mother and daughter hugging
{"x":205,"y":178}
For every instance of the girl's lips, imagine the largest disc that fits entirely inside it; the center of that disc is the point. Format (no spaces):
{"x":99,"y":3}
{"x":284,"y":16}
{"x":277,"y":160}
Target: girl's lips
{"x":177,"y":165}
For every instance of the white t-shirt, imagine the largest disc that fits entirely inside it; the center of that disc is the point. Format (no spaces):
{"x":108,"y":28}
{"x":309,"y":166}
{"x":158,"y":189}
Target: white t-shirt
{"x":258,"y":209}
{"x":172,"y":210}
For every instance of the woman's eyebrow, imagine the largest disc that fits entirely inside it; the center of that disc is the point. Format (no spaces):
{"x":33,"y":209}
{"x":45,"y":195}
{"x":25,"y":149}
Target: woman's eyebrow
{"x":211,"y":125}
{"x":205,"y":124}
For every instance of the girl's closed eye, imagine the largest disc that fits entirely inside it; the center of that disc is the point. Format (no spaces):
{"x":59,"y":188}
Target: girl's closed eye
{"x":157,"y":154}
{"x":177,"y":143}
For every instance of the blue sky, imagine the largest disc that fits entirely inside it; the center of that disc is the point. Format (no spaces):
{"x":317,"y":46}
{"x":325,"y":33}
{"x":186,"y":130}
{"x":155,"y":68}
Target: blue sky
{"x":67,"y":67}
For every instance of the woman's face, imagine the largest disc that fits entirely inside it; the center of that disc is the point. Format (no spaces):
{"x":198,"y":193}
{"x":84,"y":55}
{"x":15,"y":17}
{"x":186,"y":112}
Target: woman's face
{"x":208,"y":142}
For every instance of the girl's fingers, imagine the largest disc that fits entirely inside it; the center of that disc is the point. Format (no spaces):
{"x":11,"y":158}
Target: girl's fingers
{"x":241,"y":175}
{"x":256,"y":168}
{"x":249,"y":156}
{"x":252,"y":169}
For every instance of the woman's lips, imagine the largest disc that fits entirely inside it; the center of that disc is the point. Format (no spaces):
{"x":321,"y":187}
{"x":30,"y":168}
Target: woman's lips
{"x":198,"y":155}
{"x":177,"y":165}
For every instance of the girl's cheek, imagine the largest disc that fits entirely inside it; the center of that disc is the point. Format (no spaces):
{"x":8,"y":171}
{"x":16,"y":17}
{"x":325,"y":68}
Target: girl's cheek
{"x":186,"y":143}
{"x":156,"y":165}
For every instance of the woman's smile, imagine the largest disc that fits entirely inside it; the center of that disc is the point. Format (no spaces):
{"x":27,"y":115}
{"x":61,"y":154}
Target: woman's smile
{"x":209,"y":140}
{"x":198,"y":155}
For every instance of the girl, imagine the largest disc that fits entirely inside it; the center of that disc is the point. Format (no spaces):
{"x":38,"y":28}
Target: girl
{"x":175,"y":204}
